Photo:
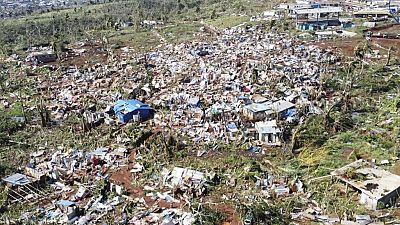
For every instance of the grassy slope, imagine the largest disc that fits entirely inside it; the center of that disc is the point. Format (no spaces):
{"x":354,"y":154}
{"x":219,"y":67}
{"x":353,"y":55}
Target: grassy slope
{"x":318,"y":161}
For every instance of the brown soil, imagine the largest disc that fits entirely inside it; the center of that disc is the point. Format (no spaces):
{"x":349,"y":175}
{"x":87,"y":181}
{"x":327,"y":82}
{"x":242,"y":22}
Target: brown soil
{"x":124,"y":177}
{"x":396,"y":168}
{"x":393,"y":28}
{"x":347,"y":153}
{"x":347,"y":46}
{"x":233,"y":217}
{"x":161,"y":203}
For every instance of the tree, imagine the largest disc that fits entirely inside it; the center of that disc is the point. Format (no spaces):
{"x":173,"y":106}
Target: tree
{"x":58,"y":46}
{"x":213,"y":14}
{"x":390,"y":50}
{"x":360,"y":51}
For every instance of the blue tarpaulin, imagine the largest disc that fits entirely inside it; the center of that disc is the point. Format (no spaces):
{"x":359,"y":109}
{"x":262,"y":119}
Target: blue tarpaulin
{"x":289,"y":113}
{"x":126,"y":109}
{"x":232,"y":127}
{"x":66,"y":203}
{"x":254,"y":149}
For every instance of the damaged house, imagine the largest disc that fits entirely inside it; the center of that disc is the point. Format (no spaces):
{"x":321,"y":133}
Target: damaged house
{"x":135,"y":110}
{"x":275,"y":110}
{"x":379,"y":188}
{"x":37,"y":58}
{"x":268,"y":132}
{"x":255,"y":111}
{"x":21,"y":188}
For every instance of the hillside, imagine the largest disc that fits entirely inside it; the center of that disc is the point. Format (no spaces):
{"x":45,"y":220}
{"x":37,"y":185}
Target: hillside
{"x":198,"y":112}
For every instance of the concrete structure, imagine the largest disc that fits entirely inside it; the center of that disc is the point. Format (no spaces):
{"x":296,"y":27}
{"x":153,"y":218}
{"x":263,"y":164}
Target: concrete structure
{"x":378,"y":188}
{"x":268,"y":132}
{"x":317,"y":18}
{"x":372,"y":13}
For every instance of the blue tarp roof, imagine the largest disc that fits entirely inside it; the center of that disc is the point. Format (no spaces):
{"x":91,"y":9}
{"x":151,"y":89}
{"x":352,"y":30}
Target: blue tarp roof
{"x":65,"y":203}
{"x":254,"y":149}
{"x":17,"y":179}
{"x":289,"y":113}
{"x":130,"y":105}
{"x":231,"y":126}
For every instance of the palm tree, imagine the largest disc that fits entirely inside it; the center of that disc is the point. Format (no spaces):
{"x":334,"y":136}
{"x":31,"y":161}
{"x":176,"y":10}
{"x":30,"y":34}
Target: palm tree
{"x":360,"y":51}
{"x":390,"y":50}
{"x":348,"y":83}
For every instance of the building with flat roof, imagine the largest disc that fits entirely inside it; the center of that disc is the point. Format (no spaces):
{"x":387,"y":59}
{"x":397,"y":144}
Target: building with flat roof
{"x":379,"y":188}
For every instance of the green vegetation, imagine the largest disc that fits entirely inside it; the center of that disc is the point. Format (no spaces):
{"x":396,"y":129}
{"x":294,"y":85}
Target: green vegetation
{"x":71,"y":25}
{"x":227,"y":21}
{"x":361,"y":121}
{"x":180,"y":32}
{"x":209,"y":216}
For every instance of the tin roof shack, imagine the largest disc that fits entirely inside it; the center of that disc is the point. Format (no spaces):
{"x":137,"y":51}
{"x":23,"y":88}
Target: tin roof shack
{"x":21,"y":188}
{"x":260,"y":111}
{"x":37,"y":58}
{"x":268,"y":132}
{"x":255,"y":111}
{"x":379,"y":188}
{"x":127,"y":110}
{"x":191,"y":181}
{"x":283,"y":108}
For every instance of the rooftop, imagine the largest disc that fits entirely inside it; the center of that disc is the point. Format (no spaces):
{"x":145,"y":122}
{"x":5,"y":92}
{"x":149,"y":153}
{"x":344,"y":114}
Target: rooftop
{"x":130,"y":105}
{"x":267,"y":127}
{"x":17,"y":179}
{"x":318,"y":10}
{"x":377,"y":182}
{"x":379,"y":12}
{"x":257,"y":107}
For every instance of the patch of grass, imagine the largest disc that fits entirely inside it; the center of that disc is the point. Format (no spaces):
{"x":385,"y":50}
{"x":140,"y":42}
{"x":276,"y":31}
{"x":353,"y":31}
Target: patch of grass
{"x":180,"y":32}
{"x":141,"y":41}
{"x":227,"y":21}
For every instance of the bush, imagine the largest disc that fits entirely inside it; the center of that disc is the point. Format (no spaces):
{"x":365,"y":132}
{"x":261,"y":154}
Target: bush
{"x":209,"y":216}
{"x":7,"y":126}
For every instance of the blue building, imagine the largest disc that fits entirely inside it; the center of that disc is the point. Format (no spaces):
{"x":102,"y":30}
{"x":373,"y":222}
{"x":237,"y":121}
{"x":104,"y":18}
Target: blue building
{"x":127,"y":110}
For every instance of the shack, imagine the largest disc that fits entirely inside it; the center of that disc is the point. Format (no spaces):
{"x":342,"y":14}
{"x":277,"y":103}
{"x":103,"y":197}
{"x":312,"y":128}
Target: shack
{"x":255,"y":111}
{"x":127,"y":110}
{"x":20,"y":188}
{"x":37,"y":58}
{"x":372,"y":13}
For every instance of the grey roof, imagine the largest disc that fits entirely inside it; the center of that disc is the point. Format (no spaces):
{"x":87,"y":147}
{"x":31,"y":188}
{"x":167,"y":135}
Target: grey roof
{"x":281,"y":105}
{"x":268,"y":127}
{"x":194,"y":100}
{"x":372,"y":12}
{"x":318,"y":10}
{"x":257,"y":107}
{"x":17,"y":179}
{"x":387,"y":182}
{"x":268,"y":130}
